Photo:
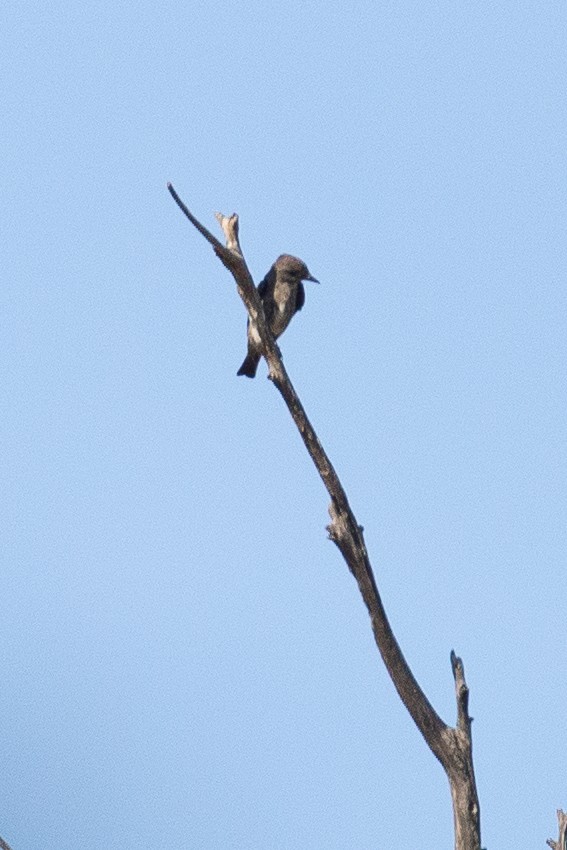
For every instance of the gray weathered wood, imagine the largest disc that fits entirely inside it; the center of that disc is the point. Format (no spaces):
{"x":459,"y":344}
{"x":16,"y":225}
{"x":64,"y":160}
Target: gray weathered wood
{"x":561,"y":843}
{"x":451,"y":746}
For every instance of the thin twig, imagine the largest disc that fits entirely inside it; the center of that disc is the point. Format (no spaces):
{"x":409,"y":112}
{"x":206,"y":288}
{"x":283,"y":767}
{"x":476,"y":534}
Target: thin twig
{"x":218,"y":246}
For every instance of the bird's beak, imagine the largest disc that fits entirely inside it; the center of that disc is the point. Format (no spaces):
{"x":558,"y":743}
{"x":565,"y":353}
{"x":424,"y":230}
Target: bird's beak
{"x":310,"y":277}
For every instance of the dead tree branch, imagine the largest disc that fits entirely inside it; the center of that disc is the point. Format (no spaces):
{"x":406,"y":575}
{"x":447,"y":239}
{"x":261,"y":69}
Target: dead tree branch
{"x":451,"y":746}
{"x":561,"y":843}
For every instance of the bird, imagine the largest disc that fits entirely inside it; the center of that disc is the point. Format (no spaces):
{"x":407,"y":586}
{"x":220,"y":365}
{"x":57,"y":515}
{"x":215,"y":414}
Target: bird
{"x":282,"y":295}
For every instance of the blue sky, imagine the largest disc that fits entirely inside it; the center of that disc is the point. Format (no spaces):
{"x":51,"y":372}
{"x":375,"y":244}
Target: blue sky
{"x":185,"y":658}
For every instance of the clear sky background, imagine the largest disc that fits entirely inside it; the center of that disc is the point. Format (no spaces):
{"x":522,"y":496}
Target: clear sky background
{"x":185,"y":659}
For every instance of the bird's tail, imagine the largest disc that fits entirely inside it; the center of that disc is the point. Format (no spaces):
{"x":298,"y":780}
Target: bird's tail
{"x":249,"y":365}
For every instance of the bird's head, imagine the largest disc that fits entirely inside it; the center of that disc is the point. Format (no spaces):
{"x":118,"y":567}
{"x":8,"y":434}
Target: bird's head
{"x":294,"y":268}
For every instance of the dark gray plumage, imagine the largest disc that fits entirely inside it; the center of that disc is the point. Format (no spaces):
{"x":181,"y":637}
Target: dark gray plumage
{"x":282,"y":295}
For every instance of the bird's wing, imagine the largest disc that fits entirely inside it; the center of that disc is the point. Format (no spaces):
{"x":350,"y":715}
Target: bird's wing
{"x":264,"y":288}
{"x":300,"y":298}
{"x":269,"y":281}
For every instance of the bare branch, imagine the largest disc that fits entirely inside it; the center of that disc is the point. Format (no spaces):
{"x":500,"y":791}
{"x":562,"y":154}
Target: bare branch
{"x":462,"y":694}
{"x":451,"y":746}
{"x":561,"y":843}
{"x":459,"y":765}
{"x":3,"y":845}
{"x":218,"y":246}
{"x":229,"y":226}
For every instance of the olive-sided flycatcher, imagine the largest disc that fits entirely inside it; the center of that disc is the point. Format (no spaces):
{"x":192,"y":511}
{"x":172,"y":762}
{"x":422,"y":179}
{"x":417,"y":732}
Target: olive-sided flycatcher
{"x":282,"y":295}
